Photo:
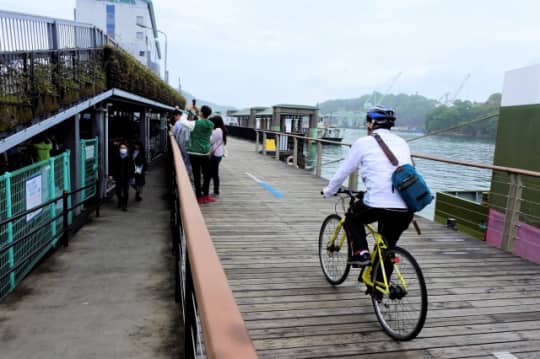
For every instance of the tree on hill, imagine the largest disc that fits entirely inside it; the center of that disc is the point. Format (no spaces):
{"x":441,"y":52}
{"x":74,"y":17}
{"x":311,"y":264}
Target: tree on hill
{"x":411,"y":110}
{"x":461,"y":112}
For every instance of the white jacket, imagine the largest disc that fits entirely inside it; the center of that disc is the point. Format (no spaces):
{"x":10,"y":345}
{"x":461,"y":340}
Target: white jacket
{"x":375,"y":169}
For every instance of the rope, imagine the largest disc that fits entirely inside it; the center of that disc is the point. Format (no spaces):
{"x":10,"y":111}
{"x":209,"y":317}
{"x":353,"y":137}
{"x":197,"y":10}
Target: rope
{"x":454,"y":127}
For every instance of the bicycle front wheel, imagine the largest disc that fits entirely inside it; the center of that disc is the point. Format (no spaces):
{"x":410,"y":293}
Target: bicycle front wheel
{"x":401,"y":312}
{"x":334,"y":255}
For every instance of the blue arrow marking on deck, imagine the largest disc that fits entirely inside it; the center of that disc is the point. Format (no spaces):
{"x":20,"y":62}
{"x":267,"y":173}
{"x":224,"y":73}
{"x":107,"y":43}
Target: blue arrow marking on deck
{"x":266,"y":186}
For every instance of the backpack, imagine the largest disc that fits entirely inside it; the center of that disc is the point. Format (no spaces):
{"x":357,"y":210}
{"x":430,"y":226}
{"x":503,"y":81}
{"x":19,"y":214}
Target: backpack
{"x":409,"y":183}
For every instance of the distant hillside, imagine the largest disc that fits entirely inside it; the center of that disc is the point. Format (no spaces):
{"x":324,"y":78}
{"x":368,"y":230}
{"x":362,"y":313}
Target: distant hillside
{"x":411,"y":110}
{"x":201,"y":102}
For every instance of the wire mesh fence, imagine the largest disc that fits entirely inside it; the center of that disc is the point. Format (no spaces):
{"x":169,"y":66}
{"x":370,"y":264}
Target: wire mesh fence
{"x":89,"y":168}
{"x":27,"y":236}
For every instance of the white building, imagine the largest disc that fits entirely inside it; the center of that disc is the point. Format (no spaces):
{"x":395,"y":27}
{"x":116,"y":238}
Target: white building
{"x":132,"y":23}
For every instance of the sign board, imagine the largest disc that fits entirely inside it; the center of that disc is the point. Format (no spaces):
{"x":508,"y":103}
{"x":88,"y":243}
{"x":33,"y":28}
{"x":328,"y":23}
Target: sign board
{"x":89,"y":152}
{"x":33,"y":196}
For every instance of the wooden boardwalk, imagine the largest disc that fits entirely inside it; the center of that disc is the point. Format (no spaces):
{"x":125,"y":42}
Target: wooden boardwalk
{"x":482,"y":302}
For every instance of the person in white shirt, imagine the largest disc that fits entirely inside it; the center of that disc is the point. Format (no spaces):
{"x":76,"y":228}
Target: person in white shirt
{"x":182,"y":130}
{"x":380,"y":202}
{"x":218,"y":140}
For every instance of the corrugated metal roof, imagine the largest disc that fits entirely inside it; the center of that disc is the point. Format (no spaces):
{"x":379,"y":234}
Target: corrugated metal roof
{"x":300,"y":107}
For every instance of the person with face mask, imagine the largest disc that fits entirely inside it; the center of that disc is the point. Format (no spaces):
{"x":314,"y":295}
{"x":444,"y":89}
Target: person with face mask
{"x":122,"y":170}
{"x":139,"y":170}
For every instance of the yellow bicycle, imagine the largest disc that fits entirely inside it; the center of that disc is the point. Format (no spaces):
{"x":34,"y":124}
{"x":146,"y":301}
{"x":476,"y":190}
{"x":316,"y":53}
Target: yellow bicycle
{"x":393,"y":279}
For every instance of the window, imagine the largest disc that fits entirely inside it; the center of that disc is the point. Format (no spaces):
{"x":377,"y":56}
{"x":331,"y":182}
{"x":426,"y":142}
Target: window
{"x":140,"y":35}
{"x":140,"y":20}
{"x":110,"y":20}
{"x":141,"y":53}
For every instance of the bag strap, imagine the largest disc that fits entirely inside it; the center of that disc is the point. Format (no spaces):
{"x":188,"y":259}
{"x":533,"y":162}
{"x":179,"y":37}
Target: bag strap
{"x":386,"y":150}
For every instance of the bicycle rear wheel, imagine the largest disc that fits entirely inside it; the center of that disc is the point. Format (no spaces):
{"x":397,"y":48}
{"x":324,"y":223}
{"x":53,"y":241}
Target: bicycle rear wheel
{"x":403,"y":311}
{"x":334,"y":259}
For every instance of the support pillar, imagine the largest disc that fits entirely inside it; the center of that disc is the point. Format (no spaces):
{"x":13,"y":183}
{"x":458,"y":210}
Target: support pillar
{"x":313,"y":124}
{"x":99,"y":123}
{"x":143,"y":133}
{"x":251,"y":120}
{"x":73,"y":142}
{"x":276,"y":120}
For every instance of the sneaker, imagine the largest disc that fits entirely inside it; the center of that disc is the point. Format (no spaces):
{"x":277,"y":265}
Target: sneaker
{"x":359,"y":259}
{"x":209,"y":199}
{"x":201,"y":200}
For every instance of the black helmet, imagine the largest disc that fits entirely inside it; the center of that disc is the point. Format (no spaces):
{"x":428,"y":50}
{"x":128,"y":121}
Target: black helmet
{"x":381,"y":116}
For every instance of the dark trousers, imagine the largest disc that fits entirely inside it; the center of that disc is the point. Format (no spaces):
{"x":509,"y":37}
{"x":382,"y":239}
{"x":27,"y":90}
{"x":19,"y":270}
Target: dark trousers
{"x":214,"y":172}
{"x":391,"y":223}
{"x":122,"y":192}
{"x":200,"y":164}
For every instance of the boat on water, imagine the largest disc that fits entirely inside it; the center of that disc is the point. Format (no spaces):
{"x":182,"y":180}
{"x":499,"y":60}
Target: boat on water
{"x":325,"y":131}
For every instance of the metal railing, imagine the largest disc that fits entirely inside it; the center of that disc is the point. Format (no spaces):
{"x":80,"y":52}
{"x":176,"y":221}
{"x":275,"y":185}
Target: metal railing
{"x":512,"y":206}
{"x":213,"y":323}
{"x":18,"y":266}
{"x":22,"y":32}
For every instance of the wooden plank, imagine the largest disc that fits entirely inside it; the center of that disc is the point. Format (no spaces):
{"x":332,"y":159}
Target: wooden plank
{"x":481,"y":299}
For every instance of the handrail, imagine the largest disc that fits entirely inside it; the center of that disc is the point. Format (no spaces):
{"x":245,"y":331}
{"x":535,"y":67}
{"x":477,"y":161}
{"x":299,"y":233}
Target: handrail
{"x":45,"y":204}
{"x":225,"y":333}
{"x":511,"y":170}
{"x":25,"y":32}
{"x":64,"y":233}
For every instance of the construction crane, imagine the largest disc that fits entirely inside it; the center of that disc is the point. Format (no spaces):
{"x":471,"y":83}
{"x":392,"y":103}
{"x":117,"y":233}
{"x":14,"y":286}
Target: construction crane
{"x":373,"y":100}
{"x":448,"y":99}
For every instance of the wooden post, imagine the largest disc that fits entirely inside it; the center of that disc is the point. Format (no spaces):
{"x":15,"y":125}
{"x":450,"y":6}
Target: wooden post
{"x":318,"y":166}
{"x":511,"y":217}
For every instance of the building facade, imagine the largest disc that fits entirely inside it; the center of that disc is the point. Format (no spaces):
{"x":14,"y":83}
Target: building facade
{"x":132,"y":23}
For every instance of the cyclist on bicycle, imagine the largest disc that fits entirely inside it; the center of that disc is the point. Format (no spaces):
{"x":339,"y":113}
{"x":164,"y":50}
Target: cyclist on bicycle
{"x":380,"y":202}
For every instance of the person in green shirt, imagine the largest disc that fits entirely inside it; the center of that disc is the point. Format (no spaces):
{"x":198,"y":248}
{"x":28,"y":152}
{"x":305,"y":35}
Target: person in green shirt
{"x":199,"y":154}
{"x":43,"y":148}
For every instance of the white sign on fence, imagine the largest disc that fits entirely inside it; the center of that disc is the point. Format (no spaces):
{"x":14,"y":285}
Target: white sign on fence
{"x":33,"y":196}
{"x":89,"y":152}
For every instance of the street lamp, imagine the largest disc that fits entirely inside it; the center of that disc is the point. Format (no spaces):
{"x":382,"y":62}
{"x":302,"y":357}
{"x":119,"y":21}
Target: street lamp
{"x":164,"y":34}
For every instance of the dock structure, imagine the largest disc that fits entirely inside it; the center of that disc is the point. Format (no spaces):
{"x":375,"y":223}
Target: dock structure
{"x":481,"y":300}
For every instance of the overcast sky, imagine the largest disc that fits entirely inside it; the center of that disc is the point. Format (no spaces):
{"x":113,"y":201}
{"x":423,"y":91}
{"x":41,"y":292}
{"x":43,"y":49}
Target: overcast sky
{"x":264,"y":52}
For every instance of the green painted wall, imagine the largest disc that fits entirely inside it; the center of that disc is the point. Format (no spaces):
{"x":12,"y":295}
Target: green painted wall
{"x":471,"y":217}
{"x":518,"y":145}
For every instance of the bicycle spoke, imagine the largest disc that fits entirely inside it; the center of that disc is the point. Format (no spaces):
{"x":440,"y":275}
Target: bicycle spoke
{"x":402,"y":312}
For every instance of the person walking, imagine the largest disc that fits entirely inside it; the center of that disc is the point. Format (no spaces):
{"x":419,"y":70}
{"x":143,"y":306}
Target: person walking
{"x":184,"y":126}
{"x":218,"y":140}
{"x":199,"y":151}
{"x":139,"y":170}
{"x":122,"y":171}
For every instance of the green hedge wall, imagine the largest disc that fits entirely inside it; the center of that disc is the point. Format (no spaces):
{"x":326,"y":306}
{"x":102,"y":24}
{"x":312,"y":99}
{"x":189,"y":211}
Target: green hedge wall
{"x":34,"y":87}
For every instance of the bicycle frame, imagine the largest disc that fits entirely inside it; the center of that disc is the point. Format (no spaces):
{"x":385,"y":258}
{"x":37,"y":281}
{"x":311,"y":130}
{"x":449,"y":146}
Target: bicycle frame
{"x":377,"y":253}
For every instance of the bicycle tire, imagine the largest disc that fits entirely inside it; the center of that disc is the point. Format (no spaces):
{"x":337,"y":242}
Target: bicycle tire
{"x":334,"y":262}
{"x":399,"y":316}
